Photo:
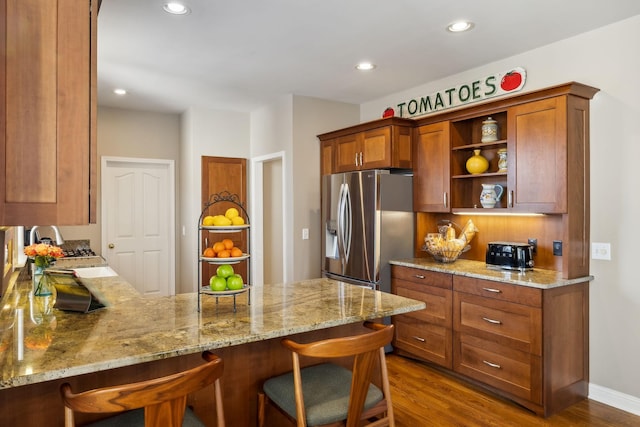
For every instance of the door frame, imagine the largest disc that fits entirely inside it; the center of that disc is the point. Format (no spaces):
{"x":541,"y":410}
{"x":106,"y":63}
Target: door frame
{"x":257,"y":218}
{"x":170,"y":167}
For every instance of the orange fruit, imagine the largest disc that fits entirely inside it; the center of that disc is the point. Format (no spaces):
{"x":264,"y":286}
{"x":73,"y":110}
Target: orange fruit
{"x":228,"y":244}
{"x":236,"y":252}
{"x":224,"y":254}
{"x":209,"y":253}
{"x":218,"y":247}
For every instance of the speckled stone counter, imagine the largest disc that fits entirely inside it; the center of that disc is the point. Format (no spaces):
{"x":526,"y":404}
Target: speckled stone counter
{"x":536,"y":278}
{"x":136,"y":329}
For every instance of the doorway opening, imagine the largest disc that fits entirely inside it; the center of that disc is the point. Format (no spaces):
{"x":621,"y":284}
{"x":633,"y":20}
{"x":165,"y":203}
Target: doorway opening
{"x":269,"y":215}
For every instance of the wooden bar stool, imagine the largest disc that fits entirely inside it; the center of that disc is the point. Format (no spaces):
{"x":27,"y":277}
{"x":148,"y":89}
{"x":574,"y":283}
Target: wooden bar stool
{"x":159,"y":402}
{"x":327,"y":394}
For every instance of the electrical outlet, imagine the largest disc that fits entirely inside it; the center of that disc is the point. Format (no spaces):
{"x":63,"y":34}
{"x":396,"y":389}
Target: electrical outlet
{"x":601,"y":251}
{"x":305,"y":234}
{"x":557,"y":247}
{"x":534,"y":243}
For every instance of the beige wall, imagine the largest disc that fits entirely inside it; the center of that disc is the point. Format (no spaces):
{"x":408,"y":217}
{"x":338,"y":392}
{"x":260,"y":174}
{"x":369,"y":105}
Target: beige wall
{"x":128,"y":133}
{"x":605,"y":58}
{"x":311,"y":117}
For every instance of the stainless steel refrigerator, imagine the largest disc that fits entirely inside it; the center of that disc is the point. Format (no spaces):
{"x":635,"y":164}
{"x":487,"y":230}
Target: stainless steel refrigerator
{"x":368,"y":219}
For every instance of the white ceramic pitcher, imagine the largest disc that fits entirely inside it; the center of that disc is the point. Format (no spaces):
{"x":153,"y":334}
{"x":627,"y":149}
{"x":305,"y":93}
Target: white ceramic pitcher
{"x":490,"y":195}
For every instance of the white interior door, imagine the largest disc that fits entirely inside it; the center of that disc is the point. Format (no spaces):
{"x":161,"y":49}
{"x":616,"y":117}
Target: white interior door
{"x":138,"y":222}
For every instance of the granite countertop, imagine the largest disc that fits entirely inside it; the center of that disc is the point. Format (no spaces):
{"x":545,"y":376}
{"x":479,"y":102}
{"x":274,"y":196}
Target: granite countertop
{"x":135,"y":329}
{"x":536,"y":278}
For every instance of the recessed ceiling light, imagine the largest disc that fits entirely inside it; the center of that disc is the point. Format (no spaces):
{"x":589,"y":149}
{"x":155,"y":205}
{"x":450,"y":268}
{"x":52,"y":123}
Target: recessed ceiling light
{"x":120,"y":92}
{"x":176,"y":8}
{"x":365,"y":66}
{"x":460,"y":26}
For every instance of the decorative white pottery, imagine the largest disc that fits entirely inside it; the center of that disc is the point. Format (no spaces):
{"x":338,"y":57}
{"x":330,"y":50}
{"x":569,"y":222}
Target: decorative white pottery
{"x":489,"y":130}
{"x":490,"y":195}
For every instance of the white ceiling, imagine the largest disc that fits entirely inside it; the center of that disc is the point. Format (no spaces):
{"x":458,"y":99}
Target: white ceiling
{"x":239,"y":55}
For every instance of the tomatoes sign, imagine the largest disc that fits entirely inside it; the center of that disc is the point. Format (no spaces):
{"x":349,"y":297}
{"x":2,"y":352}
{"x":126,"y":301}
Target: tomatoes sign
{"x":488,"y":87}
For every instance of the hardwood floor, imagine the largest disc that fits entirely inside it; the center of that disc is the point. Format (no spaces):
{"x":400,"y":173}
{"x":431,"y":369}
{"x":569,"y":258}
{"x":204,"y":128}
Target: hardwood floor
{"x":423,"y":396}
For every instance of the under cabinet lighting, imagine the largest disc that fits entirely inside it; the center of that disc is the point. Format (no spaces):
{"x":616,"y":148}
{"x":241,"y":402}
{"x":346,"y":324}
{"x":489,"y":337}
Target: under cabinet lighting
{"x":120,"y":91}
{"x":460,"y":26}
{"x":495,"y":213}
{"x":176,"y":8}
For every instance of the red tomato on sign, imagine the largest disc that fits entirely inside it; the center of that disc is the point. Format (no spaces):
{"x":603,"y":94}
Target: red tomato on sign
{"x":511,"y":81}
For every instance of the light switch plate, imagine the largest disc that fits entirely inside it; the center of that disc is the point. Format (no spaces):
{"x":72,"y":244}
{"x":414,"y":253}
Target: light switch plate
{"x":601,"y":251}
{"x":305,"y":234}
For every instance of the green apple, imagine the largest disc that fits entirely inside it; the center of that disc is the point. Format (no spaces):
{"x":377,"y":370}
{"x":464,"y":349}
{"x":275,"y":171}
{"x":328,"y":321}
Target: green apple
{"x":218,"y":283}
{"x":225,"y":270}
{"x":235,"y":282}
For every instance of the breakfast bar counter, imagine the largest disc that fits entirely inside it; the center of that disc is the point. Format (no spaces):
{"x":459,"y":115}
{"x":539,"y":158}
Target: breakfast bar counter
{"x":137,"y":337}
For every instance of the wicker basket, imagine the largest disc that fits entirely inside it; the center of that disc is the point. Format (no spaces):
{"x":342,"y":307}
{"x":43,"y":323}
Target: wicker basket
{"x":444,"y":255}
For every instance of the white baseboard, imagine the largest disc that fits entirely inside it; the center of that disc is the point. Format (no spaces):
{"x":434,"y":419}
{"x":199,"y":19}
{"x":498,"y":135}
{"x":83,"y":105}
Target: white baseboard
{"x":624,"y":402}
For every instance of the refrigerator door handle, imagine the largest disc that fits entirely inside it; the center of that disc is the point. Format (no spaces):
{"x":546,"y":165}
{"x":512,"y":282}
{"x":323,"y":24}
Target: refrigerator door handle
{"x":344,"y":224}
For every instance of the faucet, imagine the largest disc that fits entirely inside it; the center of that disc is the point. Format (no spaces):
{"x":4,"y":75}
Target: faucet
{"x":32,"y":235}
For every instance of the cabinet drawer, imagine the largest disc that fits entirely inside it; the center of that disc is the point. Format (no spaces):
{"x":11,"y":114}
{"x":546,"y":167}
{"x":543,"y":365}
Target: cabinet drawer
{"x":438,"y":301}
{"x":497,"y":290}
{"x":515,"y":372}
{"x":423,"y":277}
{"x":518,"y":326}
{"x":425,"y":341}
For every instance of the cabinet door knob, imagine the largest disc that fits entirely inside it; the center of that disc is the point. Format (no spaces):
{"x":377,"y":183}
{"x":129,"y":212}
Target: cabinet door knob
{"x":111,"y":246}
{"x":497,"y":291}
{"x":444,"y":199}
{"x":419,"y":276}
{"x":356,"y":160}
{"x":419,"y":338}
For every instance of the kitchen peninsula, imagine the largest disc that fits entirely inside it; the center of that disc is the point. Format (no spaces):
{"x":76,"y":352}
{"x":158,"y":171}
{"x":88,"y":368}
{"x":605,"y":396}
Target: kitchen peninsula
{"x":137,"y":337}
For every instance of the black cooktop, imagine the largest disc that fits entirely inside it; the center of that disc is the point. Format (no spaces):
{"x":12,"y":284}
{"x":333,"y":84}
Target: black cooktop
{"x":78,"y":252}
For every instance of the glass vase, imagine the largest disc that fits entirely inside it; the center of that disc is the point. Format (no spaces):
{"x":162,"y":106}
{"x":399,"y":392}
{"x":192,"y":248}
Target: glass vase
{"x":44,"y":292}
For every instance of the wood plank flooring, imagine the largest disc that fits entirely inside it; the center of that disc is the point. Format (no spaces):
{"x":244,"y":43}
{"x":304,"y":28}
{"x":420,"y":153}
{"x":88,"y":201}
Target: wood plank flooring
{"x":423,"y":396}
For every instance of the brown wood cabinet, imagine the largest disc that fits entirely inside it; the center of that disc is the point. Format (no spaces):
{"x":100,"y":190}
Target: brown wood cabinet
{"x":425,"y":334}
{"x":381,"y":144}
{"x":546,"y":137}
{"x":431,"y":168}
{"x":527,"y":344}
{"x":327,"y":157}
{"x":48,"y":112}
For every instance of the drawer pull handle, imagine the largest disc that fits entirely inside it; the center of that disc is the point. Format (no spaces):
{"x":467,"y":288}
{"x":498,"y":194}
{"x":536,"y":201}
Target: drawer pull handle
{"x":419,"y":339}
{"x":495,"y":322}
{"x":493,"y":365}
{"x":497,"y":291}
{"x":419,"y":276}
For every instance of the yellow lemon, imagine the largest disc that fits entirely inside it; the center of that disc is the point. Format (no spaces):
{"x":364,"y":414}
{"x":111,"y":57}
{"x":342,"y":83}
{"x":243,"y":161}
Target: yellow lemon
{"x":221,"y":221}
{"x":231,"y":213}
{"x":237,"y":220}
{"x":207,"y":221}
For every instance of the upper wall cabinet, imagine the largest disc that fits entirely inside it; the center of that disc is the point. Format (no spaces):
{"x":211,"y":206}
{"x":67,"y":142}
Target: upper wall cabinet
{"x":431,"y":168}
{"x":542,"y":140}
{"x":381,"y":144}
{"x":48,"y":112}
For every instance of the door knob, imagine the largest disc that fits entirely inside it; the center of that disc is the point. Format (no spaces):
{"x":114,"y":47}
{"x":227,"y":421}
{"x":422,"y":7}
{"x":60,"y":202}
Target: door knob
{"x":111,"y":246}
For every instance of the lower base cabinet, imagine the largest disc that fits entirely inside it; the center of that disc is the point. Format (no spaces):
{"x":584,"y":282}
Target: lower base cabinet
{"x":526,"y":344}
